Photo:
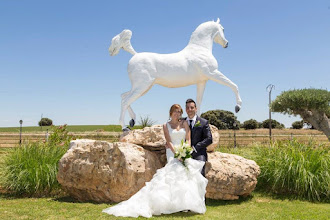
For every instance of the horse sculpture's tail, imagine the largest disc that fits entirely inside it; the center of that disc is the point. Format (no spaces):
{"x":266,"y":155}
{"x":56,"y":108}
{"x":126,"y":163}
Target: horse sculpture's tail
{"x":122,"y":40}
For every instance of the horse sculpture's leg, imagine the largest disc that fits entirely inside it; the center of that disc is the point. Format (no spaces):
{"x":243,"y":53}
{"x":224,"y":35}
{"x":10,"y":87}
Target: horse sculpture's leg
{"x":128,"y":98}
{"x":130,"y":110}
{"x":200,"y":92}
{"x":218,"y":77}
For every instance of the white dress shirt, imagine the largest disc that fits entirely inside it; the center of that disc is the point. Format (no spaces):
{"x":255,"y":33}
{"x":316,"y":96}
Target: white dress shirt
{"x":193,"y":120}
{"x":192,"y":125}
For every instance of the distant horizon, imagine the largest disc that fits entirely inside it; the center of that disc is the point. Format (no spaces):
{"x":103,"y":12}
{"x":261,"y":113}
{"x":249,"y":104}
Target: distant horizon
{"x":54,"y":58}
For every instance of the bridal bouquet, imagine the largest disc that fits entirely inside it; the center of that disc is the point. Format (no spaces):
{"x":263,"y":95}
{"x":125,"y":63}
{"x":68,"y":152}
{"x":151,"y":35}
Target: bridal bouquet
{"x":183,"y":151}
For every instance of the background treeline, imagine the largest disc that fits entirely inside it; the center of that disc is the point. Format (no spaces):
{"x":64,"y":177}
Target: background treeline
{"x":227,"y":120}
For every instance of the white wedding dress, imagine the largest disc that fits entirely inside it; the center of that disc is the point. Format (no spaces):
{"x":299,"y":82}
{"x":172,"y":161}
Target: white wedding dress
{"x":173,"y":188}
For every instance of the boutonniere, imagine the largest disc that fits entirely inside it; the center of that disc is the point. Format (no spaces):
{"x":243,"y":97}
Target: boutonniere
{"x":198,"y":123}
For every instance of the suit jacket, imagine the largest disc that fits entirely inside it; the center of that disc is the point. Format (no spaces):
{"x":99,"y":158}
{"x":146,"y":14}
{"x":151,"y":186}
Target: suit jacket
{"x":201,"y":137}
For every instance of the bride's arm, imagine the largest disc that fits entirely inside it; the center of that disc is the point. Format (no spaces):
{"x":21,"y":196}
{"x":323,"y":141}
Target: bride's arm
{"x":168,"y":138}
{"x":186,"y":127}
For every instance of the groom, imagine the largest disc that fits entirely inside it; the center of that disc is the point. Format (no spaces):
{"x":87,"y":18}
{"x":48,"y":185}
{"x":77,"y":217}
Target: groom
{"x":201,"y":135}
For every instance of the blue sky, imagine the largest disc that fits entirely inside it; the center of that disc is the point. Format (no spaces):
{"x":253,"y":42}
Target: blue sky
{"x":54,"y":56}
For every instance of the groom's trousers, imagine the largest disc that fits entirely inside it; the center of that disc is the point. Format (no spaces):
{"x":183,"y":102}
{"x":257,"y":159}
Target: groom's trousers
{"x":202,"y":158}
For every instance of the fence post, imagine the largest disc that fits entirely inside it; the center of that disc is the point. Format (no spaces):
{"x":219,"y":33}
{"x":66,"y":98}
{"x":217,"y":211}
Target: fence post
{"x":20,"y":132}
{"x":234,"y":125}
{"x":47,"y":135}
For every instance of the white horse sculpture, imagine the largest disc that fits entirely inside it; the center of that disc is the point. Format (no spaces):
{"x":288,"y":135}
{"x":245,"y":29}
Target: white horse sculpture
{"x":195,"y":64}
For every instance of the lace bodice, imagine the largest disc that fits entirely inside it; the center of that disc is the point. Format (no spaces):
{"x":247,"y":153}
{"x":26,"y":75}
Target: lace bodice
{"x":176,"y":135}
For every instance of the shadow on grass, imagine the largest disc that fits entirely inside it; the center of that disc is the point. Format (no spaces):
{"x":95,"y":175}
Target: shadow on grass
{"x":287,"y":196}
{"x":69,"y":199}
{"x":213,"y":202}
{"x":4,"y":193}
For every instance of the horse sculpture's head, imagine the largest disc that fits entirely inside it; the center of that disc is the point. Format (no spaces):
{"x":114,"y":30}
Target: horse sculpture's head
{"x":219,"y":36}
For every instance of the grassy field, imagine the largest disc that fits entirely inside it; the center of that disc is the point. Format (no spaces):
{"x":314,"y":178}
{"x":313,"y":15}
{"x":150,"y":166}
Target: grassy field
{"x":70,"y":128}
{"x":117,"y":128}
{"x":9,"y":137}
{"x":257,"y":206}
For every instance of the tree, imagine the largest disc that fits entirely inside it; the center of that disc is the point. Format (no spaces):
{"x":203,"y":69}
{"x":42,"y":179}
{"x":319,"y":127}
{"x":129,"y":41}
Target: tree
{"x":311,"y":104}
{"x":250,"y":124}
{"x":275,"y":124}
{"x":45,"y":122}
{"x":298,"y":124}
{"x":221,"y":119}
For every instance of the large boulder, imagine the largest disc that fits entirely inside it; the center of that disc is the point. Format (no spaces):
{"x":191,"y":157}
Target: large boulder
{"x":230,"y":176}
{"x":104,"y":172}
{"x":152,"y":138}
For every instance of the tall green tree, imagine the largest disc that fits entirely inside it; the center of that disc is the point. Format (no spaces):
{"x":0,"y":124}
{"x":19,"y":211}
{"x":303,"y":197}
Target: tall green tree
{"x":221,"y":119}
{"x":311,"y":104}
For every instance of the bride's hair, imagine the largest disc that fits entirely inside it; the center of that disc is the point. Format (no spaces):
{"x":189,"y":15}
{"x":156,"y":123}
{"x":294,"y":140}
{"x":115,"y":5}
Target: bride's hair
{"x":175,"y":107}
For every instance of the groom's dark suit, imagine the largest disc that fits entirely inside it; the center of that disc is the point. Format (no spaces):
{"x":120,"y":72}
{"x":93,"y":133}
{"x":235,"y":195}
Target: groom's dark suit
{"x":201,"y":137}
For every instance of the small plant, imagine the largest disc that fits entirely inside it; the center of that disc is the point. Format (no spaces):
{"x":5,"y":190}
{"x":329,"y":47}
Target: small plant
{"x":32,"y":168}
{"x":146,"y":121}
{"x":45,"y":122}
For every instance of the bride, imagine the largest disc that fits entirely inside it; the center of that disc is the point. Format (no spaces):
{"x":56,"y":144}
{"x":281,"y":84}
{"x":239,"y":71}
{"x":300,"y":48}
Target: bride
{"x":175,"y":187}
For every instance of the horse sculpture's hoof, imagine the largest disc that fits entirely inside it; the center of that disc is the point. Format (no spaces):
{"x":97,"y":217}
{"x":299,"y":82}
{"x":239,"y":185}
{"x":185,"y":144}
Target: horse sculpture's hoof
{"x":126,"y":129}
{"x":131,"y":123}
{"x":237,"y":108}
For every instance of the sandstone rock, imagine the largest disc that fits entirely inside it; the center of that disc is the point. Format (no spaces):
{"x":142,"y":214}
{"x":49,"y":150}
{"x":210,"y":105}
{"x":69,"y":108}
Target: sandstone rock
{"x":152,"y":138}
{"x":230,"y":176}
{"x":104,"y":172}
{"x":215,"y":139}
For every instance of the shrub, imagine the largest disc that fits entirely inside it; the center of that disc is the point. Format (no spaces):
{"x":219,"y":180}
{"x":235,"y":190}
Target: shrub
{"x":274,"y":124}
{"x":250,"y":124}
{"x":298,"y":124}
{"x":294,"y":168}
{"x":146,"y":121}
{"x":221,"y":119}
{"x":32,"y":168}
{"x":45,"y":122}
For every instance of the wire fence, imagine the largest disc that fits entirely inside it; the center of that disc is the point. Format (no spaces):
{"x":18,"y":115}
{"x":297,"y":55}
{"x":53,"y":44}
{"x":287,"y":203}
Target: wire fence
{"x":226,"y":139}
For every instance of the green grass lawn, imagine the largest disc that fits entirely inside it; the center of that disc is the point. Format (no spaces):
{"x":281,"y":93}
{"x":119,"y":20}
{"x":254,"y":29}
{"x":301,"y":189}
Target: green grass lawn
{"x":257,"y":206}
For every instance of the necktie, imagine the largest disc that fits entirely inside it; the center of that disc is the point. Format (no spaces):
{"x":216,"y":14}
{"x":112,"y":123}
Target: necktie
{"x":190,"y":125}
